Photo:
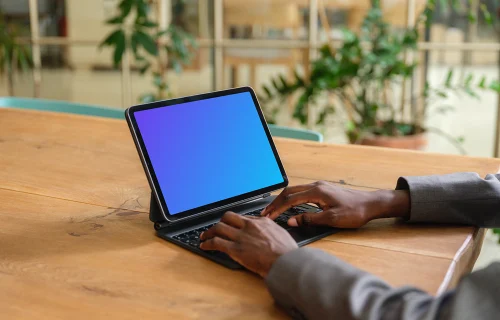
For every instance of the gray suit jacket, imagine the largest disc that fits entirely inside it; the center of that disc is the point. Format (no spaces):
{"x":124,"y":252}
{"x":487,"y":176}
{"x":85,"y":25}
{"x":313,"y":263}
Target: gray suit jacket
{"x":311,"y":284}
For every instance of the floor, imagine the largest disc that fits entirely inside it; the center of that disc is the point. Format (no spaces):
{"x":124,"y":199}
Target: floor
{"x":474,"y":119}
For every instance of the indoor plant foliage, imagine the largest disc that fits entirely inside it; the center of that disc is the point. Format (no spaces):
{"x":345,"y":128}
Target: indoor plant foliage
{"x":14,"y":56}
{"x":361,"y":77}
{"x":150,"y":47}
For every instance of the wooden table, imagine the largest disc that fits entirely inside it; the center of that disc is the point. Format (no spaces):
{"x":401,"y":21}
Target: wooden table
{"x":76,"y":242}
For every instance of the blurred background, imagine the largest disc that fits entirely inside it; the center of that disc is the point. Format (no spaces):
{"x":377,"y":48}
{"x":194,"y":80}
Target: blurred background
{"x":251,"y":43}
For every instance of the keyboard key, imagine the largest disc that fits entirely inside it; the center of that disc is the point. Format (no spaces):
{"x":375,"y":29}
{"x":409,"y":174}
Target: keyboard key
{"x":281,"y":218}
{"x":255,"y":213}
{"x":192,"y":237}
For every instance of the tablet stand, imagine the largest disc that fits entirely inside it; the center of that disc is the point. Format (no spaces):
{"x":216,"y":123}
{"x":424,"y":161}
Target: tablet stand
{"x":155,"y":214}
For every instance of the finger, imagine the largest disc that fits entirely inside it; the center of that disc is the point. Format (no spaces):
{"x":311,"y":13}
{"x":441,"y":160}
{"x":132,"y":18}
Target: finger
{"x":218,"y":244}
{"x":286,"y":192}
{"x":234,"y":220}
{"x":292,"y":200}
{"x":324,"y":218}
{"x":221,"y":230}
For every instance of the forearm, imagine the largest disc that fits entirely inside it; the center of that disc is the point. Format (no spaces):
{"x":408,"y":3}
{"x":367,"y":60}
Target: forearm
{"x":309,"y":283}
{"x":390,"y":204}
{"x":316,"y":285}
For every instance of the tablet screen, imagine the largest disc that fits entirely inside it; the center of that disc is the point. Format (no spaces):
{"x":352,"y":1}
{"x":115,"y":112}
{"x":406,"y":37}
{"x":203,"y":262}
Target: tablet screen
{"x":206,"y":151}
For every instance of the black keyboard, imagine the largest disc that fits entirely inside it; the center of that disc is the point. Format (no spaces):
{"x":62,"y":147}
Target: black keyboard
{"x":192,"y":237}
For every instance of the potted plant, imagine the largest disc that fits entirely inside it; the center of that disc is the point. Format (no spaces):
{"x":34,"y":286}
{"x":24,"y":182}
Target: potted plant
{"x":360,"y":78}
{"x":151,"y":48}
{"x":14,"y":56}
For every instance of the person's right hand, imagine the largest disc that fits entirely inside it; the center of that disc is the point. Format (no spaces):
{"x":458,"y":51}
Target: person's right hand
{"x":342,"y":208}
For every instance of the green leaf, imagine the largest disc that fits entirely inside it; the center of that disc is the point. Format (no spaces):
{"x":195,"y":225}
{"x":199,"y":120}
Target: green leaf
{"x":441,"y":94}
{"x":495,"y":85}
{"x":142,"y":9}
{"x":120,"y":46}
{"x":456,"y":4}
{"x":482,"y":83}
{"x":283,"y":81}
{"x":322,"y":116}
{"x":125,"y":7}
{"x":145,"y":67}
{"x":348,"y":36}
{"x":276,"y":85}
{"x":147,"y":42}
{"x":162,"y":33}
{"x":298,"y":78}
{"x":300,"y":112}
{"x":486,"y":14}
{"x":426,"y":89}
{"x":113,"y":38}
{"x":139,"y":58}
{"x":147,"y":24}
{"x":471,"y":92}
{"x":449,"y":77}
{"x":115,"y":20}
{"x":472,"y":17}
{"x":134,"y":45}
{"x":350,"y":126}
{"x":468,"y":80}
{"x":268,"y":92}
{"x":404,"y":129}
{"x":24,"y":60}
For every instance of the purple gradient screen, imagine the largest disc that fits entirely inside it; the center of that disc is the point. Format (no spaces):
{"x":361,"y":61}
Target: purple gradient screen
{"x":208,"y":150}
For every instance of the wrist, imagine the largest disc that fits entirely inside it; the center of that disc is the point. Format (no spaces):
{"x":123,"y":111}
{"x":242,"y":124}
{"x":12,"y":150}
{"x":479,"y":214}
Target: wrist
{"x":390,"y":204}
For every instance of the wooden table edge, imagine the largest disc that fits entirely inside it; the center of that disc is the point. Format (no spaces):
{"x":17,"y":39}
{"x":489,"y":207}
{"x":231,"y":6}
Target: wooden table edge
{"x":463,"y":261}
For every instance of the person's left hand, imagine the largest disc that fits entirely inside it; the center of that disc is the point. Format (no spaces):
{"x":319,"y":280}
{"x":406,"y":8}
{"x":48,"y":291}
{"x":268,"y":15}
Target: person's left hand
{"x":255,"y":243}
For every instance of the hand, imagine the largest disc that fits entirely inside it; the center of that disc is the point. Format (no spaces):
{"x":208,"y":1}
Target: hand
{"x":342,"y":208}
{"x":255,"y":243}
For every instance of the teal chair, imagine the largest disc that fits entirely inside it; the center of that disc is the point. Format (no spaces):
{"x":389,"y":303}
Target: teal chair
{"x":61,"y":106}
{"x":90,"y":110}
{"x":301,"y":134}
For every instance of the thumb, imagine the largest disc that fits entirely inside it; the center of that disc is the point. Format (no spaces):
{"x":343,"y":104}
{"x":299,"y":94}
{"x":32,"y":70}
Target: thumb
{"x":323,"y":218}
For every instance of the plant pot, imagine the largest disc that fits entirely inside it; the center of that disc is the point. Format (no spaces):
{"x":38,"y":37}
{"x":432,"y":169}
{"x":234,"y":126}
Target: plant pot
{"x":413,"y":142}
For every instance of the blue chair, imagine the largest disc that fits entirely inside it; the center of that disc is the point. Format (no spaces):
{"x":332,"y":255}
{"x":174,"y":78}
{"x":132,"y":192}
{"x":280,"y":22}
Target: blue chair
{"x":61,"y":106}
{"x":98,"y":111}
{"x":301,"y":134}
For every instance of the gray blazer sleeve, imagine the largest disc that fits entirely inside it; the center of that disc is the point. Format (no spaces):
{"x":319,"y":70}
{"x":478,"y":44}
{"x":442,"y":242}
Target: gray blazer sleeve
{"x":461,"y":198}
{"x":311,"y":284}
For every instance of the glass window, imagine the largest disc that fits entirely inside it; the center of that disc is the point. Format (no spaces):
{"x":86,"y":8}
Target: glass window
{"x":265,"y":19}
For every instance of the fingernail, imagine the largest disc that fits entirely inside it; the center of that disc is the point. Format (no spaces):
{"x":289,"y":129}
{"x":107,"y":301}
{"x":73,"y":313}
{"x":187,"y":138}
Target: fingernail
{"x":263,"y":212}
{"x":201,"y":235}
{"x":292,"y":222}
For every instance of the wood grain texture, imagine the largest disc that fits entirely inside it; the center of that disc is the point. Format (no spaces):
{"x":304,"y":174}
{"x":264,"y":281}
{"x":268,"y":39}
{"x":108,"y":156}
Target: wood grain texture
{"x":75,"y":239}
{"x":94,"y":160}
{"x":61,"y":258}
{"x":369,"y":166}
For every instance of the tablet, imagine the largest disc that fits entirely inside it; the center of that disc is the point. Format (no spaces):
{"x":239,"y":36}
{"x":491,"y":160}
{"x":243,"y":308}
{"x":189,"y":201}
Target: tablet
{"x":207,"y":152}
